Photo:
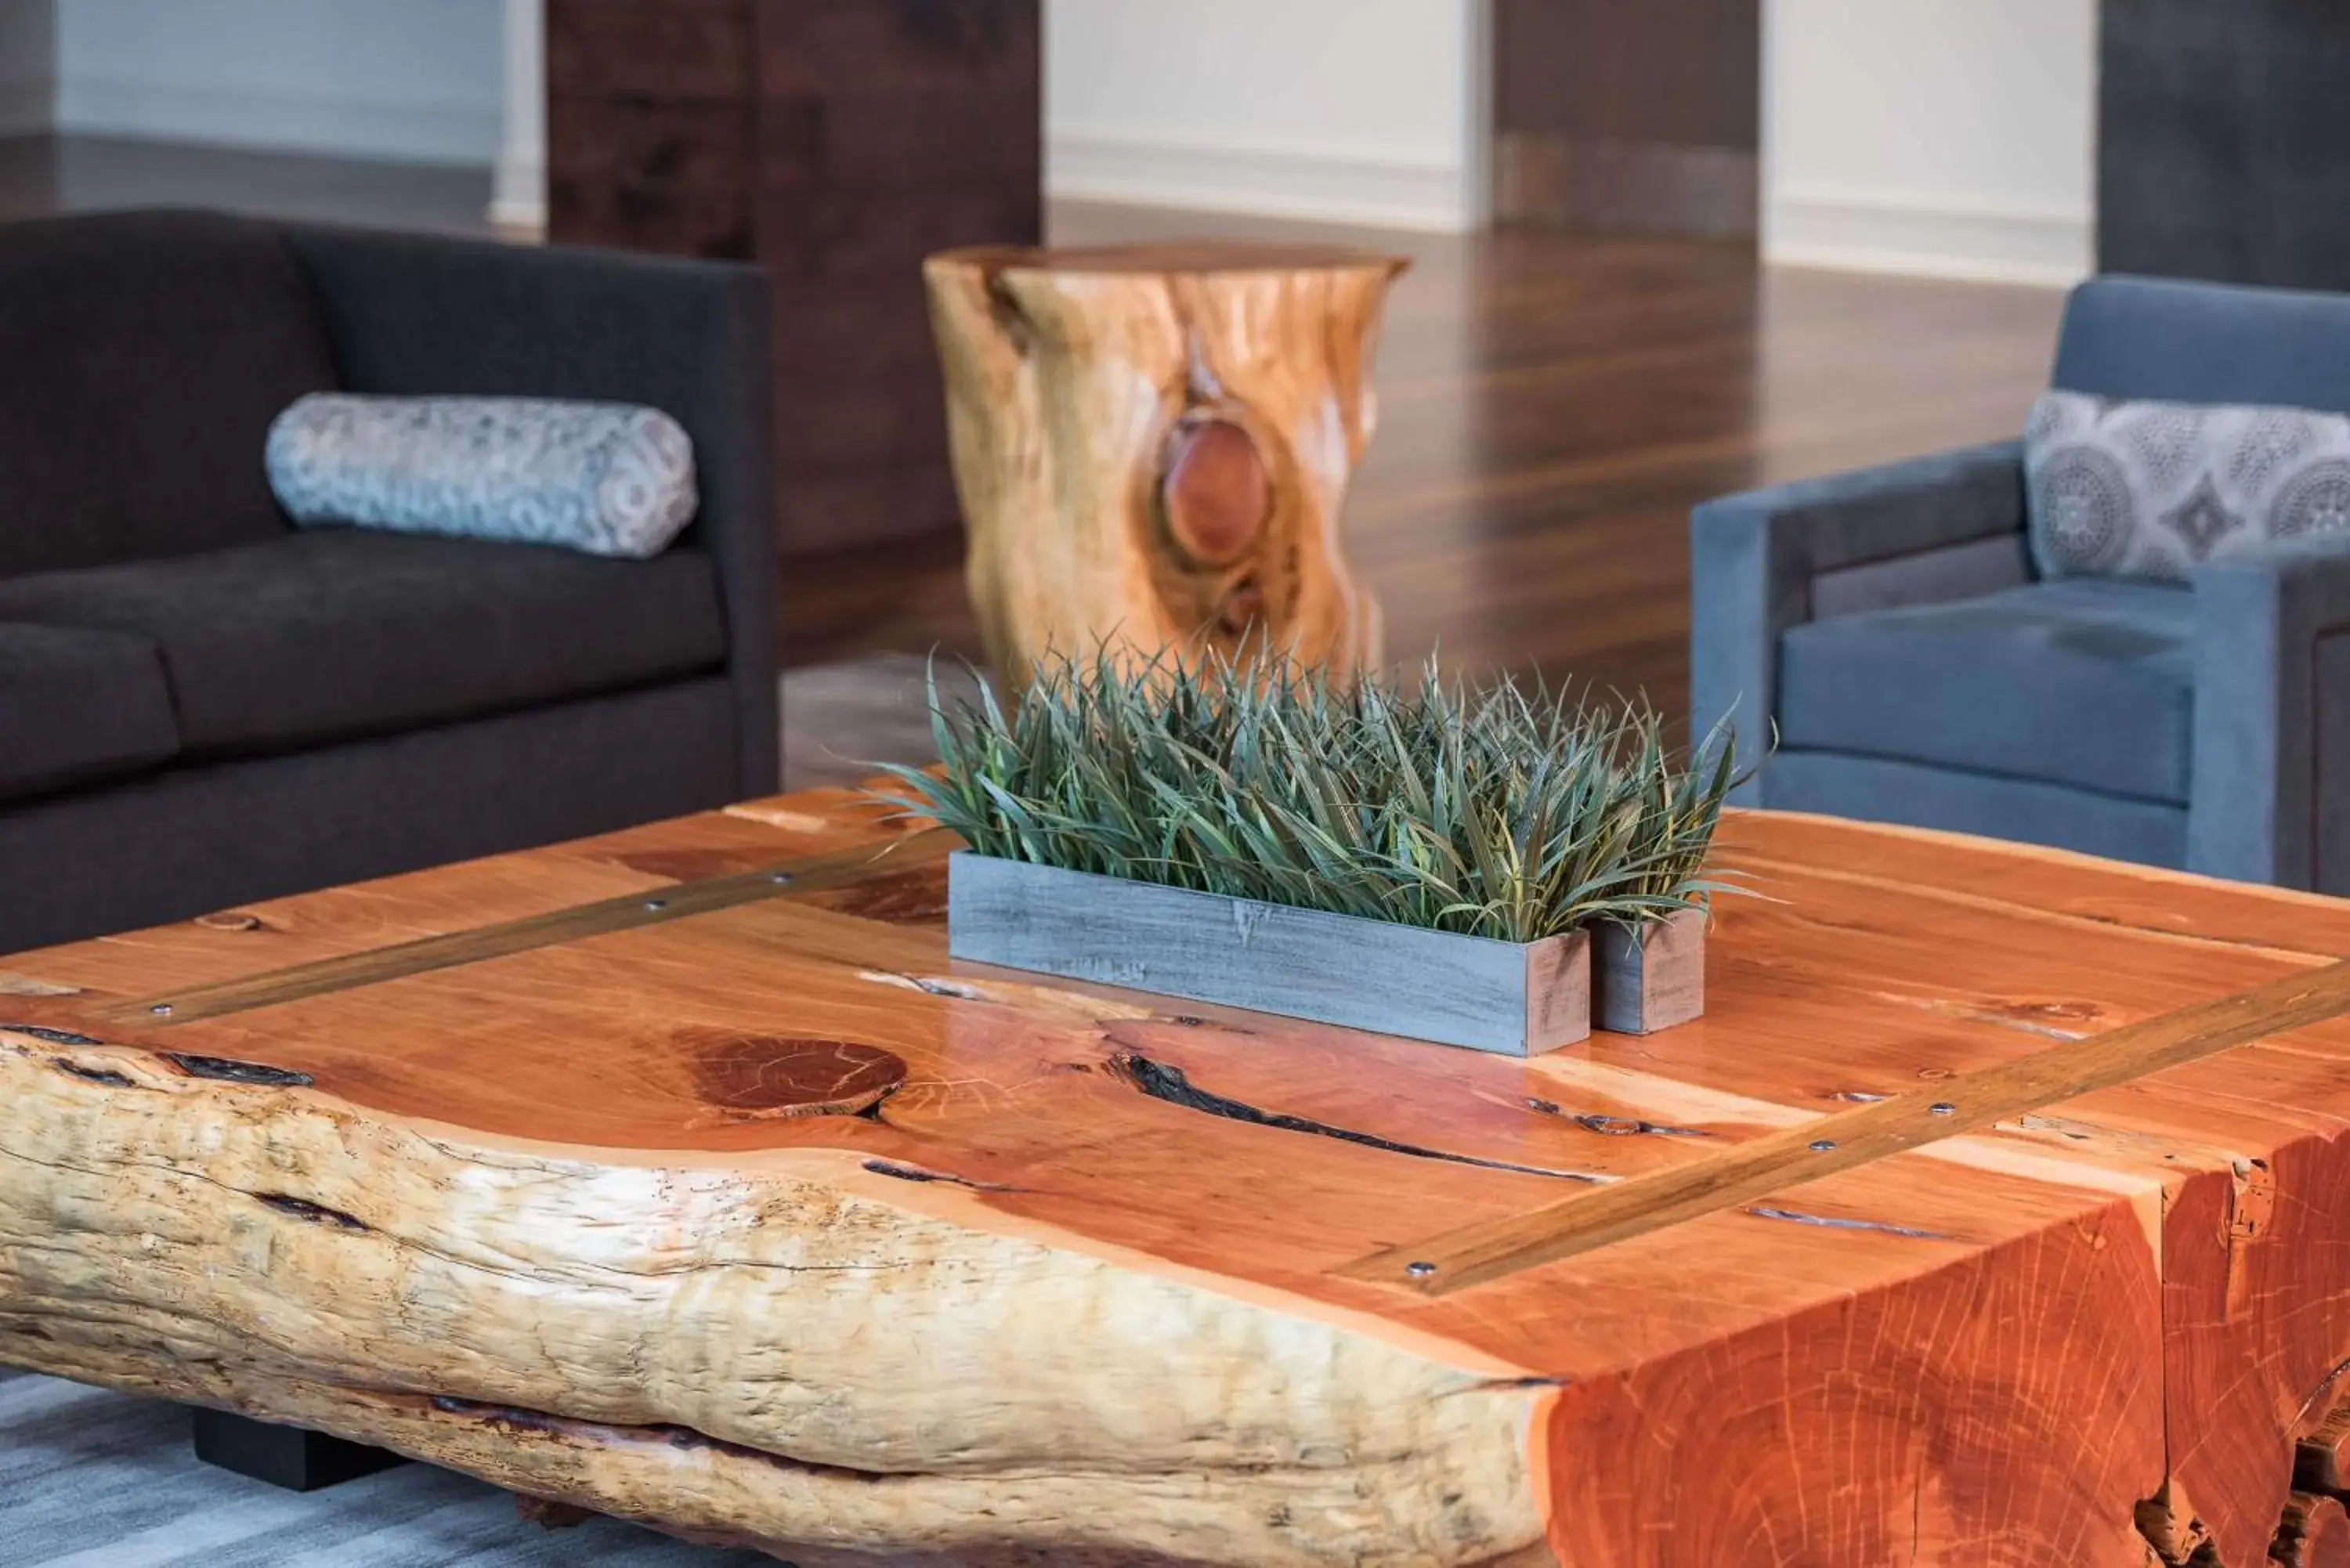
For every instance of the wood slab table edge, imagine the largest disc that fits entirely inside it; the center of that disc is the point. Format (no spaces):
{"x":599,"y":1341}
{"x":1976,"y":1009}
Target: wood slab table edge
{"x":679,"y":1175}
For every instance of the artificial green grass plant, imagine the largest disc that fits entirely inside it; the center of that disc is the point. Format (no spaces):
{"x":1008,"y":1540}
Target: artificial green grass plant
{"x":1501,"y":812}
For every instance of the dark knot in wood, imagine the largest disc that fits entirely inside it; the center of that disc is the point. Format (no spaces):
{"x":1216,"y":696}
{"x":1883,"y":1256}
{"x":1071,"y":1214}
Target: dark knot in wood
{"x":52,"y":1036}
{"x":310,"y":1214}
{"x":1242,"y":609}
{"x":768,"y":1075}
{"x":1216,"y":494}
{"x":1170,"y":1085}
{"x":228,"y":1072}
{"x":106,"y":1076}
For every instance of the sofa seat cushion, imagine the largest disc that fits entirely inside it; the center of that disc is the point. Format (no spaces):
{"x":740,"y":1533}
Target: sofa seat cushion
{"x":78,"y":706}
{"x":321,"y":637}
{"x":2087,"y":682}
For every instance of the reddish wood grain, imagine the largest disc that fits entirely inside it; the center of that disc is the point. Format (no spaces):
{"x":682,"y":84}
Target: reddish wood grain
{"x":1993,"y":1351}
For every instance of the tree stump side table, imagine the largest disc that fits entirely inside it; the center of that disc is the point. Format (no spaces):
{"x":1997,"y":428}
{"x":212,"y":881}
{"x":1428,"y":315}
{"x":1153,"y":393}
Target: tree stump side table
{"x":1152,"y":444}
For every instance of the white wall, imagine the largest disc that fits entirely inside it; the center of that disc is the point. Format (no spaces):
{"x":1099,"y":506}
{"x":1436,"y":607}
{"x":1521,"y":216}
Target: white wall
{"x":1951,"y":136}
{"x":29,"y":60}
{"x":1361,"y":109}
{"x":1942,"y":136}
{"x":394,"y":78}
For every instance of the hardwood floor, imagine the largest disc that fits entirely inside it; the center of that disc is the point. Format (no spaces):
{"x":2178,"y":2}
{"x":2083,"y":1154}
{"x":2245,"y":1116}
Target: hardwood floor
{"x":1550,"y":407}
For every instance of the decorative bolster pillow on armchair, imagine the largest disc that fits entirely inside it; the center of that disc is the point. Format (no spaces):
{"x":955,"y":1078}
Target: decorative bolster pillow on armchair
{"x":2117,"y":635}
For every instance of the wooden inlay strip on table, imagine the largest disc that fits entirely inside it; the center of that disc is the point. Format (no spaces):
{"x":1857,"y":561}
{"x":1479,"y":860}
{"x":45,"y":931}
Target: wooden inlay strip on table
{"x":810,"y":874}
{"x":1473,"y":1254}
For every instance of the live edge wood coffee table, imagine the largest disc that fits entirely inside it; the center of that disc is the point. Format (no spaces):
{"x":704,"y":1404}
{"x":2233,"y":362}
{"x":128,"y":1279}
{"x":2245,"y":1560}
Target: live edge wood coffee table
{"x":1998,"y":1212}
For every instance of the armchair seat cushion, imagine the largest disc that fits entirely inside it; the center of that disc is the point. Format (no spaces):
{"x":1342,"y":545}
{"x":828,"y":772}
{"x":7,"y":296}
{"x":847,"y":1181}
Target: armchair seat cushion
{"x":78,"y":707}
{"x":2087,"y":683}
{"x":322,"y":636}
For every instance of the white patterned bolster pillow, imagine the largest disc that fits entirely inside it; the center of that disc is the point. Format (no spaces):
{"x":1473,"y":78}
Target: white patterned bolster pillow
{"x":611,"y":478}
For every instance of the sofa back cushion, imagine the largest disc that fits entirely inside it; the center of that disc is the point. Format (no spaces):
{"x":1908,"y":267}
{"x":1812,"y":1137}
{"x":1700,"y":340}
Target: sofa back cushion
{"x":143,"y":356}
{"x":2149,"y":490}
{"x":2206,"y":343}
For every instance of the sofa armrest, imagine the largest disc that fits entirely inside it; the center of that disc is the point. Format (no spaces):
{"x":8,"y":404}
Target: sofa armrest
{"x":1929,"y":529}
{"x":2269,"y":789}
{"x":417,"y":314}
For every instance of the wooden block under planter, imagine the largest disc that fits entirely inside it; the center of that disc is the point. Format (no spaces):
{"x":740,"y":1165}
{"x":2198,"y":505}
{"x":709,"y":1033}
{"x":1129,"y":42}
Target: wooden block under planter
{"x":1650,"y":976}
{"x":1519,"y":999}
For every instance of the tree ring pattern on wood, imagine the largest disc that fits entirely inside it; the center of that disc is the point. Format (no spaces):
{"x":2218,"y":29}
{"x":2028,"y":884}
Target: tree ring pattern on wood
{"x":769,"y":1075}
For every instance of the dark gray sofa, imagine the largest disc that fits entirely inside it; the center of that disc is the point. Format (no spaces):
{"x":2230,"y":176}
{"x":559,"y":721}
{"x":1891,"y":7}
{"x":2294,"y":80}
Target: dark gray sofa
{"x":1889,"y":626}
{"x":201,"y":706}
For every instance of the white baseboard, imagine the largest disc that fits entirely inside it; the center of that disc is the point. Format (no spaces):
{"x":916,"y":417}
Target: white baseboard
{"x":1926,"y":237}
{"x":518,"y":192}
{"x":522,"y":213}
{"x":27,"y":108}
{"x":422,"y":132}
{"x":1338,"y":187}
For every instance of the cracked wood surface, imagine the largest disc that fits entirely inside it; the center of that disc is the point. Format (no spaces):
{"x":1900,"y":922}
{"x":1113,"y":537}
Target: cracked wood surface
{"x":767,"y":1223}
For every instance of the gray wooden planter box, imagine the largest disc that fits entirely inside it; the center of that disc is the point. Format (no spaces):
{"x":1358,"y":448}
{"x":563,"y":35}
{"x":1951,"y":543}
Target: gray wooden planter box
{"x":1516,"y":998}
{"x":1650,"y":976}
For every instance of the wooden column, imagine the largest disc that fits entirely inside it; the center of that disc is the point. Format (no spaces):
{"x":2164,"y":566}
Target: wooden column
{"x":1628,"y":118}
{"x":1153,"y":444}
{"x":836,"y":142}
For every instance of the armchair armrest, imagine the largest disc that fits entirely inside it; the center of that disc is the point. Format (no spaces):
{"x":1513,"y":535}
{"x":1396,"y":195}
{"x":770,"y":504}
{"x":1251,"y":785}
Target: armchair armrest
{"x":416,"y":314}
{"x":1931,"y":528}
{"x":2273,"y":717}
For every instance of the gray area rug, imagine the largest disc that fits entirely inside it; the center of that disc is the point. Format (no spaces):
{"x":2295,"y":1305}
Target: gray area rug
{"x":840,"y":719}
{"x":91,"y":1479}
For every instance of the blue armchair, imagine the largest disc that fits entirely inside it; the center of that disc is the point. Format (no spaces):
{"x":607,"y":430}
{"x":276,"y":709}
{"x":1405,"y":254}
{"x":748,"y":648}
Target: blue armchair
{"x":1889,"y":625}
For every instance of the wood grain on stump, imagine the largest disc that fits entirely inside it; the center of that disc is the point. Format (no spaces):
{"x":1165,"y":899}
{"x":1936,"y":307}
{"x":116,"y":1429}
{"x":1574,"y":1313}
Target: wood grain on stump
{"x":1153,"y":444}
{"x":1060,"y":1273}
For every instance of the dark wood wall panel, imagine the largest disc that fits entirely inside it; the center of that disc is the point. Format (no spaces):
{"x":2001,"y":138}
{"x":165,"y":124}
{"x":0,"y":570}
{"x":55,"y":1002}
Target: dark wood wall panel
{"x":2221,"y":147}
{"x":836,"y":142}
{"x":1629,"y":116}
{"x":650,"y":124}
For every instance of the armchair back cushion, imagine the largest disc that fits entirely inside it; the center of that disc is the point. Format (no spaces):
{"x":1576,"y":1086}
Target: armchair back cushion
{"x":2206,"y":343}
{"x":156,"y":347}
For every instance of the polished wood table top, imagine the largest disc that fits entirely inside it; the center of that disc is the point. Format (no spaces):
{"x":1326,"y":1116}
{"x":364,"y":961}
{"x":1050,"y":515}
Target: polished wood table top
{"x":1997,"y":1213}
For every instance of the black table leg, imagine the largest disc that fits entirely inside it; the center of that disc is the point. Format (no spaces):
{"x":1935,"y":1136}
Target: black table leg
{"x":287,"y":1457}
